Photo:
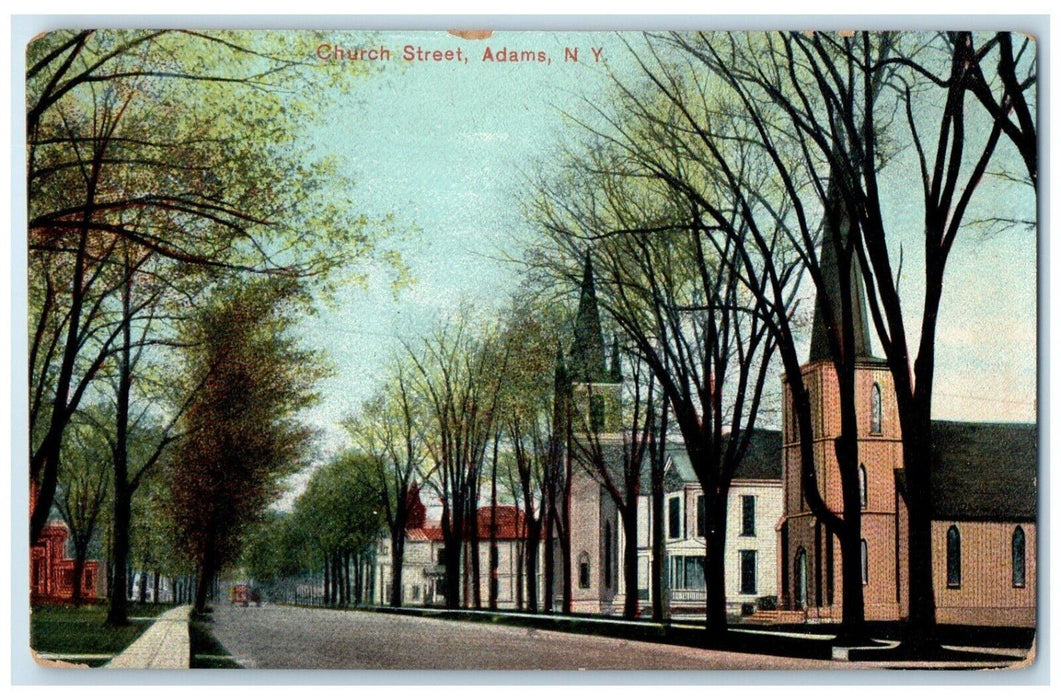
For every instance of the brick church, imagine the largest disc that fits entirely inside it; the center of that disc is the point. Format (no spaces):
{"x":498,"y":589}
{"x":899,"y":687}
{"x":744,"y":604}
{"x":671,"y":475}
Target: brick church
{"x":984,"y":492}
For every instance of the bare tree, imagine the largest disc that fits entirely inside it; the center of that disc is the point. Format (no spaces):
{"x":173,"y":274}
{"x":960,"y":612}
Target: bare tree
{"x":460,"y":374}
{"x":668,"y":282}
{"x":389,"y":428}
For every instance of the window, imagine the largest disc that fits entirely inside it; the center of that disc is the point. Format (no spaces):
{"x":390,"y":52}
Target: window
{"x":1018,"y":557}
{"x":801,"y":579}
{"x":583,"y":570}
{"x":862,"y":487}
{"x":689,"y":573}
{"x":674,"y":518}
{"x":865,"y":563}
{"x":876,"y":411}
{"x":747,"y":515}
{"x":441,"y":555}
{"x":701,"y":516}
{"x":954,"y":557}
{"x":596,"y":413}
{"x":607,"y":555}
{"x":747,"y":571}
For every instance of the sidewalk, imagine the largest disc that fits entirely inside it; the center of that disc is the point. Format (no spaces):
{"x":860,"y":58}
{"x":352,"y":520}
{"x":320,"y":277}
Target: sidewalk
{"x":164,"y":644}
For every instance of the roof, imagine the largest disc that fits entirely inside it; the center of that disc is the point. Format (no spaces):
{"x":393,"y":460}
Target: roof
{"x":509,"y":524}
{"x":761,"y":461}
{"x":984,"y":471}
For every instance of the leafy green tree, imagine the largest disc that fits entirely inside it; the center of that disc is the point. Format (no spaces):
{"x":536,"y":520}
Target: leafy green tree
{"x":340,"y":512}
{"x":181,"y":145}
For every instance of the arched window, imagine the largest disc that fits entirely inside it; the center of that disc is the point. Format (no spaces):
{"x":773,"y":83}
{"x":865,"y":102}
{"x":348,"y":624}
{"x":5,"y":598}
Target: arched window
{"x":801,"y":579}
{"x":862,"y":485}
{"x":1018,"y":557}
{"x":865,"y":563}
{"x":954,"y":557}
{"x":583,"y":570}
{"x":876,"y":410}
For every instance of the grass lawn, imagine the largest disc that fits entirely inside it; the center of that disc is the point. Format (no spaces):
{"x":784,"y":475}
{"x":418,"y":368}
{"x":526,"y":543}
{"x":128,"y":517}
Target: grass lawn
{"x":207,"y":652}
{"x":68,"y":630}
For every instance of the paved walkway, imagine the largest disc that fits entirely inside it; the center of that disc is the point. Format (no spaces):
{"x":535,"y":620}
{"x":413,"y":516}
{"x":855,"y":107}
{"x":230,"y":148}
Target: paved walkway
{"x":164,"y":644}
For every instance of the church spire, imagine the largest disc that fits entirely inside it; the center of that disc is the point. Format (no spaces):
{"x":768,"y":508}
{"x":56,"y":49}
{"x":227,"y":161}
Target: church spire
{"x":830,"y":267}
{"x":587,"y":354}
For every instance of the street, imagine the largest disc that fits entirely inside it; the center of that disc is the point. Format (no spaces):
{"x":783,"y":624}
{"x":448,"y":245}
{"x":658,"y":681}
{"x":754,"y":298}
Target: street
{"x":280,"y":637}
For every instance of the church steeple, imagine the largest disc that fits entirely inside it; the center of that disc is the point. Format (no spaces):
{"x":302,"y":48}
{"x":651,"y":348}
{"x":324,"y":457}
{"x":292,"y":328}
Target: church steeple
{"x":830,"y":267}
{"x":587,"y":353}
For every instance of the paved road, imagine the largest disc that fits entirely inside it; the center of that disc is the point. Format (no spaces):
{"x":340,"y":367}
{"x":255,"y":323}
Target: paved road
{"x":303,"y":638}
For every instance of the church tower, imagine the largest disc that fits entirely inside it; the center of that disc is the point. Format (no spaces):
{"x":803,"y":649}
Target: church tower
{"x":810,"y":569}
{"x":594,"y":423}
{"x":595,"y":389}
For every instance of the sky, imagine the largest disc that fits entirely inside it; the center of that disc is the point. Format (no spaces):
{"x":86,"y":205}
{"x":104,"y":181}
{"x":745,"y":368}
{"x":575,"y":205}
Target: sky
{"x":444,"y":148}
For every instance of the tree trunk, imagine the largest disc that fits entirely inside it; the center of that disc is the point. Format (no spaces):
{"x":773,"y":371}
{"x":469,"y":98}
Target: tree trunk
{"x":452,"y":561}
{"x":565,"y":537}
{"x":657,"y":546}
{"x":202,"y":590}
{"x":629,"y":516}
{"x":143,"y":587}
{"x":327,"y":583}
{"x":397,"y":560}
{"x":495,"y":555}
{"x":920,"y":633}
{"x":716,"y":625}
{"x":549,"y":594}
{"x":118,"y":612}
{"x":79,"y":574}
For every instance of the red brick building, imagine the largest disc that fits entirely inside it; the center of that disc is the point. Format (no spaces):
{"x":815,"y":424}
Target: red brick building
{"x":984,"y":499}
{"x":52,"y":572}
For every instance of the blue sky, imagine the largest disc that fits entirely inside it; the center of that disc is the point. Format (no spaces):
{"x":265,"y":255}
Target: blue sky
{"x":443,"y":146}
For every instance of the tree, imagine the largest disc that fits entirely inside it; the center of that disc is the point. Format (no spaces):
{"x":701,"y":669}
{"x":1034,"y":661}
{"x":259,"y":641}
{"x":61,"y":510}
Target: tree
{"x":669,"y":285}
{"x":822,"y":107}
{"x":83,"y":488}
{"x":527,"y":415}
{"x":242,"y":434}
{"x":389,"y":429}
{"x":339,"y":510}
{"x":179,"y":145}
{"x":460,"y":374}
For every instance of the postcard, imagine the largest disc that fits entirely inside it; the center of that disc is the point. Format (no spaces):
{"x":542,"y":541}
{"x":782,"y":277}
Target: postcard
{"x":525,"y":350}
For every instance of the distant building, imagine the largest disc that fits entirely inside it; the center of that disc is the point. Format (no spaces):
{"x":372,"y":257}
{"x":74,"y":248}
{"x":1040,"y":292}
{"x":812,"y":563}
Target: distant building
{"x":424,"y":571}
{"x":597,"y":538}
{"x":51,"y":571}
{"x":984,"y":492}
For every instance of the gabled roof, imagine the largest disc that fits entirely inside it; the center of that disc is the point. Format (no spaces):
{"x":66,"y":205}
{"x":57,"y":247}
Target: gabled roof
{"x":984,"y":471}
{"x":761,"y":461}
{"x":509,"y":525}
